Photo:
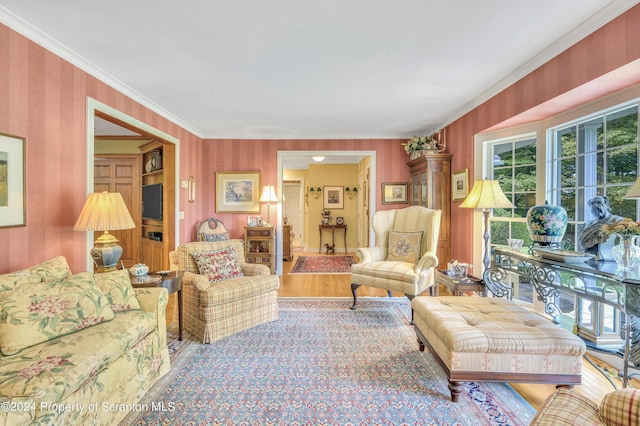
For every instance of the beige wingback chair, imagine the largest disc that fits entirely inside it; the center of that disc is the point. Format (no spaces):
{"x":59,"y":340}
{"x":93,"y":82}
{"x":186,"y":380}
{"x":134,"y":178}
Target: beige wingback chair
{"x":391,"y":265}
{"x":216,"y":310}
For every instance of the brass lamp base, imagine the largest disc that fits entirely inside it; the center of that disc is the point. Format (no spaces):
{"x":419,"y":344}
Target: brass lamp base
{"x":106,"y":253}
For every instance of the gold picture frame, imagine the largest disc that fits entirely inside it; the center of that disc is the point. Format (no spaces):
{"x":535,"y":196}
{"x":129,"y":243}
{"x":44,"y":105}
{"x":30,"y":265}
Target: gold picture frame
{"x":394,"y":193}
{"x":237,"y":192}
{"x":460,"y":185}
{"x":13,"y":193}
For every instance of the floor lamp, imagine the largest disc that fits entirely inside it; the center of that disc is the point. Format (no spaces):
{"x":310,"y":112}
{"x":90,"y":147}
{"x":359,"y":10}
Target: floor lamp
{"x":486,"y":195}
{"x":268,"y":196}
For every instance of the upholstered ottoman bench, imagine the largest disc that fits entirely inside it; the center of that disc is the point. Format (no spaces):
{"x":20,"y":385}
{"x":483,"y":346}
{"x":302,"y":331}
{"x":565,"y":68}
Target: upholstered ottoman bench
{"x":495,"y":340}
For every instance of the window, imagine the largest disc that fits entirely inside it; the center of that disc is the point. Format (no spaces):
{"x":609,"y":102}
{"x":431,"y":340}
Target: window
{"x":596,"y":155}
{"x":513,"y":165}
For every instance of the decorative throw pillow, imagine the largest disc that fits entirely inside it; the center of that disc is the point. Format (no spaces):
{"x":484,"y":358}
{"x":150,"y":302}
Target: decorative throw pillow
{"x":36,"y":312}
{"x":116,"y":285}
{"x":404,"y":246}
{"x":54,"y":269}
{"x":218,"y":265}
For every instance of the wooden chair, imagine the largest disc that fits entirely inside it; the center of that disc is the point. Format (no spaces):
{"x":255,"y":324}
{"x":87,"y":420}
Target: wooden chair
{"x":212,"y":230}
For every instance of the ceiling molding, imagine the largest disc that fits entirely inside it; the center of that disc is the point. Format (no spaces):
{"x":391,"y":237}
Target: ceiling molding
{"x":34,"y":34}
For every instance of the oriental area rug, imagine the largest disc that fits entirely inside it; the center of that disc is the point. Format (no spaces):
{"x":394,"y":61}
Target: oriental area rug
{"x":321,"y":363}
{"x":323,"y":265}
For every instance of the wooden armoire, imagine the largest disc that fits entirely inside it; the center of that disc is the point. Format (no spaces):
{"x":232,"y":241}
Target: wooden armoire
{"x":430,"y":186}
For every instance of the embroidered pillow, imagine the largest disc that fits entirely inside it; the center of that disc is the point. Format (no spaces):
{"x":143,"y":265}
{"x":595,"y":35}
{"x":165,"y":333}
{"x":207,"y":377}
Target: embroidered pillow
{"x":54,"y":269}
{"x":36,"y":312}
{"x":404,"y":246}
{"x":218,"y":265}
{"x":116,"y":285}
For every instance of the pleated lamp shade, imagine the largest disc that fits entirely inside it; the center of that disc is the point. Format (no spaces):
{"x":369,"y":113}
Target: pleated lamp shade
{"x":486,"y":194}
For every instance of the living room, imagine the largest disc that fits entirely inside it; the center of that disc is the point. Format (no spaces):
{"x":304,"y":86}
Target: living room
{"x":46,"y":96}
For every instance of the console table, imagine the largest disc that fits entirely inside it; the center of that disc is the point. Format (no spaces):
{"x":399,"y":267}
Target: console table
{"x":592,"y":281}
{"x":333,"y":235}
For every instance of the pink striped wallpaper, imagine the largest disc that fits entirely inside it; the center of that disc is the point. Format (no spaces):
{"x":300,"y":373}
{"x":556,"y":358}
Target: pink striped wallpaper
{"x":43,"y":98}
{"x":230,"y":155}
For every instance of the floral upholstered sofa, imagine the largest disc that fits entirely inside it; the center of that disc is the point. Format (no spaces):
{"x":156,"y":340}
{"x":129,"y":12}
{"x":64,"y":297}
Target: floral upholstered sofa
{"x":77,"y":349}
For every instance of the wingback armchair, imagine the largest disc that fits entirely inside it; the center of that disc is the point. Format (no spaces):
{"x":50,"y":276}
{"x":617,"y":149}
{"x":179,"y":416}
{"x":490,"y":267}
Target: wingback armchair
{"x":404,"y":257}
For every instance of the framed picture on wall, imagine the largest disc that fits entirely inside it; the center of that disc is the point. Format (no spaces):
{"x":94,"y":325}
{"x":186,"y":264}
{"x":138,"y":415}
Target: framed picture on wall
{"x":460,"y":185}
{"x":394,"y":193}
{"x":237,"y":192}
{"x":333,"y":197}
{"x":12,"y":181}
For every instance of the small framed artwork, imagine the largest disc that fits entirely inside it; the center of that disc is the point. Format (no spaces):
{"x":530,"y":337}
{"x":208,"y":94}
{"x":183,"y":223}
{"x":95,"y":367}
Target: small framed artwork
{"x":394,"y":193}
{"x":460,"y":185}
{"x":237,"y":192}
{"x":333,"y":197}
{"x":13,"y":210}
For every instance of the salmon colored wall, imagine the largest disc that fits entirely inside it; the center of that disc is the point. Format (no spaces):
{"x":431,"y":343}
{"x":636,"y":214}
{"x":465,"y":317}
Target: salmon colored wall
{"x":232,"y":155}
{"x":43,"y":98}
{"x":605,"y":50}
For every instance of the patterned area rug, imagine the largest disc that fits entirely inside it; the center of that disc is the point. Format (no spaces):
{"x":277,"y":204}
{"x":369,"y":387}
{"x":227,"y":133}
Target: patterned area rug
{"x":323,"y":265}
{"x":322,"y":364}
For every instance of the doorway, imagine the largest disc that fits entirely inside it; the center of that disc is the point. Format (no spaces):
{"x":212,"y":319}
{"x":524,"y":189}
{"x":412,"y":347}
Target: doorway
{"x":284,"y":158}
{"x":98,"y":109}
{"x":293,"y":210}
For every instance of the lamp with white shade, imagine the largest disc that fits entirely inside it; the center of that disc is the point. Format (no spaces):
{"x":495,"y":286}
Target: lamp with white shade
{"x":268,"y":196}
{"x":105,"y":211}
{"x":486,"y":195}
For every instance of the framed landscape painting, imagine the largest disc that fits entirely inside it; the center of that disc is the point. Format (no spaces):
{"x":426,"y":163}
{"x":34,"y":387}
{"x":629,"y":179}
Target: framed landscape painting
{"x":237,"y":192}
{"x":394,"y":193}
{"x":12,"y":181}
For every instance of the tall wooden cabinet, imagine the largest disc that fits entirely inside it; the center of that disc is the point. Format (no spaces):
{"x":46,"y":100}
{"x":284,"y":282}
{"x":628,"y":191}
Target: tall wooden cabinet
{"x":430,"y":187}
{"x":158,"y":233}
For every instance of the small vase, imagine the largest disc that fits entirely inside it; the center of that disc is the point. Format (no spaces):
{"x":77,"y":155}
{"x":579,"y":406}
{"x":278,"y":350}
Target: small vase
{"x":414,"y":154}
{"x":626,"y":253}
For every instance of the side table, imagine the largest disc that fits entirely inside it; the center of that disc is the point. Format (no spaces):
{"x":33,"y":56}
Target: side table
{"x":172,"y":281}
{"x":458,"y":285}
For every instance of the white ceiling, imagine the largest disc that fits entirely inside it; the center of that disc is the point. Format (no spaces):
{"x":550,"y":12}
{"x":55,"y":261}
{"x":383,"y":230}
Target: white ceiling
{"x":306,"y":68}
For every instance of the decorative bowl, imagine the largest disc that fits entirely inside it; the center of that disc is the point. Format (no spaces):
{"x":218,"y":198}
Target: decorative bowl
{"x":139,"y":270}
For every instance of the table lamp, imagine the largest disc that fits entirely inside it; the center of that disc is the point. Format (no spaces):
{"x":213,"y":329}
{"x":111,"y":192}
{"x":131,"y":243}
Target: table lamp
{"x":268,"y":196}
{"x":486,"y":195}
{"x":105,"y":211}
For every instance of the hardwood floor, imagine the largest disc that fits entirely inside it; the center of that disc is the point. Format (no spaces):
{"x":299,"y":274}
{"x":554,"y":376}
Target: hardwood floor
{"x":594,"y":385}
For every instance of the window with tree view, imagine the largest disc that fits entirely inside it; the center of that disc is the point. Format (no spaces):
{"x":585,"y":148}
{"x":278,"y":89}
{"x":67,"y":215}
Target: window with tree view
{"x":595,"y":156}
{"x":514,"y":167}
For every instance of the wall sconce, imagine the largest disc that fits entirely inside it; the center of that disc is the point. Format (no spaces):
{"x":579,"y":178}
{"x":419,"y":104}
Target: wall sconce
{"x":191,"y":189}
{"x":351,"y":192}
{"x":315,"y":192}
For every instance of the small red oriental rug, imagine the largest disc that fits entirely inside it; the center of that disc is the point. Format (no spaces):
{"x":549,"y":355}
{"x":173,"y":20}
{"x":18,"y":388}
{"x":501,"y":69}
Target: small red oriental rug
{"x":323,"y":265}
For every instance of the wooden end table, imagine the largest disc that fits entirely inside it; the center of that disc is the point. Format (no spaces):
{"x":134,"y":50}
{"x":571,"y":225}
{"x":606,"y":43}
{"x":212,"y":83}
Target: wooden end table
{"x":172,"y":281}
{"x":459,"y":285}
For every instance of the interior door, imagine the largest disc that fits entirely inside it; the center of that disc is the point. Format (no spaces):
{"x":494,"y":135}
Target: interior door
{"x":294,"y":211}
{"x":121,"y":173}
